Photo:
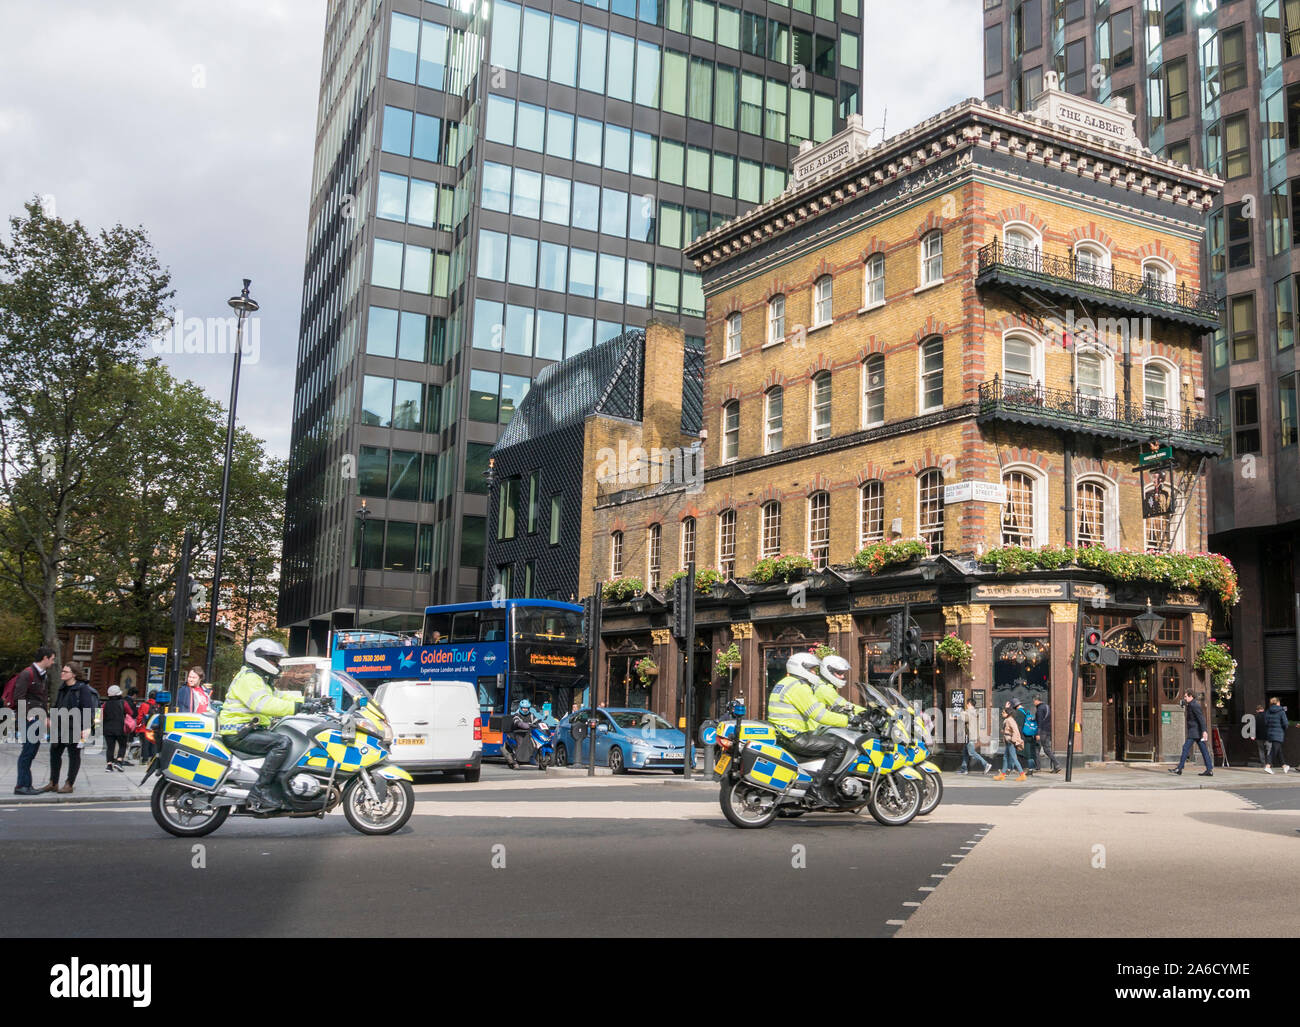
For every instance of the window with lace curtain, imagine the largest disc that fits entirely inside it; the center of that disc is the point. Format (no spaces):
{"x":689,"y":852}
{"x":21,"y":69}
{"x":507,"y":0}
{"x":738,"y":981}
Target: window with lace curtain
{"x":770,"y":543}
{"x":1018,"y":513}
{"x":653,"y":539}
{"x":873,"y":513}
{"x":929,"y":496}
{"x":819,"y":528}
{"x":1090,"y":514}
{"x":727,"y":543}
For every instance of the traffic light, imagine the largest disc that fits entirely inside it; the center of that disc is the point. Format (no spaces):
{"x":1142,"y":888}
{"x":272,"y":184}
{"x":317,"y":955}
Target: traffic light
{"x":896,"y":637}
{"x":680,"y":599}
{"x":912,"y":644}
{"x":1092,"y":647}
{"x":196,"y":598}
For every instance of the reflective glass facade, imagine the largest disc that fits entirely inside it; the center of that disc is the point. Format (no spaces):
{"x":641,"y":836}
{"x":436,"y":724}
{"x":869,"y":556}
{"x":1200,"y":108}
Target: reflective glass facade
{"x":499,"y":186}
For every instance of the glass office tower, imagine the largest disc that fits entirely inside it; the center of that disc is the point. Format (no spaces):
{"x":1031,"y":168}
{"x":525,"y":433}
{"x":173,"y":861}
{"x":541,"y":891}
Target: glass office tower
{"x":499,"y":186}
{"x":1215,"y":85}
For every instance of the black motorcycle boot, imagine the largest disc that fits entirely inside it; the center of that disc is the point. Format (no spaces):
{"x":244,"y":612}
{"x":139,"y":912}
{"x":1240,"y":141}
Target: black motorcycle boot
{"x":262,"y":798}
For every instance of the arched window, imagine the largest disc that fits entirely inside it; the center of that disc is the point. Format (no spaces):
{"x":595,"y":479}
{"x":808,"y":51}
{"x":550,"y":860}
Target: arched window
{"x":873,"y":287}
{"x":822,"y":301}
{"x":775,"y":320}
{"x":819,"y":528}
{"x":1092,"y":264}
{"x":688,"y":542}
{"x":872,"y":518}
{"x":1021,"y":360}
{"x":932,"y":258}
{"x":773,"y":419}
{"x":730,"y":431}
{"x":929,"y":509}
{"x":873,"y":390}
{"x":654,"y":536}
{"x":770,"y":543}
{"x":727,"y":543}
{"x":931,"y":378}
{"x":821,"y":406}
{"x":1157,"y":393}
{"x":1023,"y":245}
{"x":1158,"y":280}
{"x":1022,"y":516}
{"x":733,"y":336}
{"x":1094,"y":514}
{"x":616,"y":555}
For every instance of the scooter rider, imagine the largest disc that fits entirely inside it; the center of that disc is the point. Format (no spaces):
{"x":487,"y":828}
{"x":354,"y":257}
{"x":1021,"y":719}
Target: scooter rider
{"x":251,"y":705}
{"x":799,"y":717}
{"x":521,"y":731}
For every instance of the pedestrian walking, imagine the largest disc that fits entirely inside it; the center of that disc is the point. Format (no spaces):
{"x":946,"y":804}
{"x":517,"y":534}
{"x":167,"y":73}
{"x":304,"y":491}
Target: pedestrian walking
{"x":1261,"y":734}
{"x":143,"y":712}
{"x":1028,"y":722}
{"x":1197,"y":734}
{"x":1275,"y":725}
{"x":71,"y":724}
{"x":32,"y":701}
{"x":1043,"y":714}
{"x":1013,"y":740}
{"x":113,"y":726}
{"x":970,"y":717}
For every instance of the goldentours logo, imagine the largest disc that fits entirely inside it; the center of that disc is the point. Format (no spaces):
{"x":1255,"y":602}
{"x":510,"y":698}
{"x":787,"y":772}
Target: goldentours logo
{"x":132,"y":981}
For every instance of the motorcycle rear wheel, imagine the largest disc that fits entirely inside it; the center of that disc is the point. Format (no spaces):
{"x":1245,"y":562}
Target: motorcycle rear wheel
{"x":742,"y":804}
{"x":932,"y":793}
{"x":390,"y":816}
{"x":185,"y":812}
{"x":895,"y":808}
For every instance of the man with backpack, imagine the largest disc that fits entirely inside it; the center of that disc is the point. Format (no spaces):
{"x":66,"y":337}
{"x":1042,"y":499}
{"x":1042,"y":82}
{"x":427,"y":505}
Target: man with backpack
{"x":1029,"y":733}
{"x":31,"y":699}
{"x":1043,"y":717}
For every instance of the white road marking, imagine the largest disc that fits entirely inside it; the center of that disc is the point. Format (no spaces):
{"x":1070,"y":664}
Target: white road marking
{"x":895,"y":923}
{"x":913,"y":904}
{"x":927,"y":887}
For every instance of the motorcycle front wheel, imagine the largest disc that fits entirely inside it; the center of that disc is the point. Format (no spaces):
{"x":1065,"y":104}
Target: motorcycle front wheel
{"x":746,"y":806}
{"x":895,"y":802}
{"x":543,"y":761}
{"x":932,"y":793}
{"x":185,"y":812}
{"x":373,"y":818}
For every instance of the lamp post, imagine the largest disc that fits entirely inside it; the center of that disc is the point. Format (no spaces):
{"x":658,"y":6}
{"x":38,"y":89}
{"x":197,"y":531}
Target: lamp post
{"x":244,"y":306}
{"x":364,"y":514}
{"x":248,"y":602}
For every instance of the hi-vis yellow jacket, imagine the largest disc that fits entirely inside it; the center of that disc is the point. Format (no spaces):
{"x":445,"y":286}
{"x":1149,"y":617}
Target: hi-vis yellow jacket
{"x":792,"y":708}
{"x":251,"y":700}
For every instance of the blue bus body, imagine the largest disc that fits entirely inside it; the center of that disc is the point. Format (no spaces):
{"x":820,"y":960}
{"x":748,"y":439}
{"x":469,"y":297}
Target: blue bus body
{"x":520,"y":649}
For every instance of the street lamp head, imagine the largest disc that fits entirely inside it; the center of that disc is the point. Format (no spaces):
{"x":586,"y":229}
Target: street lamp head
{"x":242,"y":303}
{"x":1149,"y":624}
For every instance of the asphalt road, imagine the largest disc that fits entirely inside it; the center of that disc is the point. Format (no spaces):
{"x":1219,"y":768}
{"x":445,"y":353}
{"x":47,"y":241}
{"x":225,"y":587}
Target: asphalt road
{"x":443,"y":875}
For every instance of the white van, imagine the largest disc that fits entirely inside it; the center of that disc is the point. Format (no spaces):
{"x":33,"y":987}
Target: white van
{"x":437,"y":725}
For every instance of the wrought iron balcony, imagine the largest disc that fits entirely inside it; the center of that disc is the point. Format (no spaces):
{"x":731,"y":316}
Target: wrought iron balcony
{"x":1067,"y":276}
{"x":1101,"y":416}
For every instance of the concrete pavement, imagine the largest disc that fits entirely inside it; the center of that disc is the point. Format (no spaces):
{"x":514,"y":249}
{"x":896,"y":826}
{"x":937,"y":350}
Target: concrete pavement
{"x":94,"y":782}
{"x":1119,"y":863}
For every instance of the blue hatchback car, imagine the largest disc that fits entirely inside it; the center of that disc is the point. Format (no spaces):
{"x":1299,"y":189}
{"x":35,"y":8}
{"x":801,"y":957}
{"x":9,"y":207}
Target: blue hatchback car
{"x":626,"y":739}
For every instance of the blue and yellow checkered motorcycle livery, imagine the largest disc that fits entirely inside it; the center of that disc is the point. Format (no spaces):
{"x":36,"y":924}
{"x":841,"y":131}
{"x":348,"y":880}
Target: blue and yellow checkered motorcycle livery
{"x":761,"y":779}
{"x":911,"y":735}
{"x":334,"y":759}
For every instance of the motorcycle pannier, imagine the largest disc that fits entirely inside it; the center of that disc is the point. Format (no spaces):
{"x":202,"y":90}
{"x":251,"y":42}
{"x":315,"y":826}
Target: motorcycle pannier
{"x":750,"y":730}
{"x":768,"y":766}
{"x":194,"y":760}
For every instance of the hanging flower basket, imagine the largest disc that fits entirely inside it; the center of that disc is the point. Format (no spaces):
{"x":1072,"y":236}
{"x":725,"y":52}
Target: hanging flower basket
{"x":726,"y":659}
{"x":622,"y":589}
{"x":822,"y":650}
{"x":780,"y":568}
{"x":646,"y":668}
{"x":879,"y":555}
{"x":705,"y":579}
{"x":1216,"y":659}
{"x":953,"y":650}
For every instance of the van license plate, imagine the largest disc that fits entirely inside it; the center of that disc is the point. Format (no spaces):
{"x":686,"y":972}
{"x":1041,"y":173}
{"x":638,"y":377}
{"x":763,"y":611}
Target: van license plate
{"x":417,"y":740}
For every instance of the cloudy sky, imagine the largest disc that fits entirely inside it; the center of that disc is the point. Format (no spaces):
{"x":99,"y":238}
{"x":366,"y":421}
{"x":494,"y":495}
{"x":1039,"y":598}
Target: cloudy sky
{"x":196,"y":119}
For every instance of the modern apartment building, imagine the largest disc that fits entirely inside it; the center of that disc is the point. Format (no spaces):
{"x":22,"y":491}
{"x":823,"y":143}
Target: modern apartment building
{"x":498,"y":187}
{"x":1215,"y":85}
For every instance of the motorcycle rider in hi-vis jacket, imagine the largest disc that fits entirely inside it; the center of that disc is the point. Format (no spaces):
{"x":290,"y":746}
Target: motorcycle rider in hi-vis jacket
{"x":250,"y":707}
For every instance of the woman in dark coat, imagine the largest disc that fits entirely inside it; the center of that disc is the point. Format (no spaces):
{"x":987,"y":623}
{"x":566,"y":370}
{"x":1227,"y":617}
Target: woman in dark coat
{"x":79,"y":699}
{"x":1275,"y":725}
{"x":114,"y":726}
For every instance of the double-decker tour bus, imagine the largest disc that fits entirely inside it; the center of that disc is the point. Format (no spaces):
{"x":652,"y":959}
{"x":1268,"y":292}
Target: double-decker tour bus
{"x":514,"y":650}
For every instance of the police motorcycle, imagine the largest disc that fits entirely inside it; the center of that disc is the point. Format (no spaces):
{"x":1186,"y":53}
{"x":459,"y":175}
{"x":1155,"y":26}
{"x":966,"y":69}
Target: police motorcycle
{"x":761,"y":780}
{"x":539,"y":745}
{"x":339,"y":757}
{"x":912,"y":734}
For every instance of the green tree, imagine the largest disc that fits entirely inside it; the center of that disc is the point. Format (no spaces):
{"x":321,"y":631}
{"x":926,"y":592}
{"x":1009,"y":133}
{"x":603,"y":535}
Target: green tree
{"x":74,"y":310}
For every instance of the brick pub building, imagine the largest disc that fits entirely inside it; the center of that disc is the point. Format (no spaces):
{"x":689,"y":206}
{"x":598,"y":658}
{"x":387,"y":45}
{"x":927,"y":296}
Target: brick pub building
{"x":966,"y":336}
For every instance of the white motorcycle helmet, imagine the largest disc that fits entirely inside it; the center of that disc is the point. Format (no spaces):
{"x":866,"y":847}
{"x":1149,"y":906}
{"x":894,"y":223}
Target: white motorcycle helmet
{"x":804,"y":666}
{"x":835,"y":670}
{"x":265,"y":655}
